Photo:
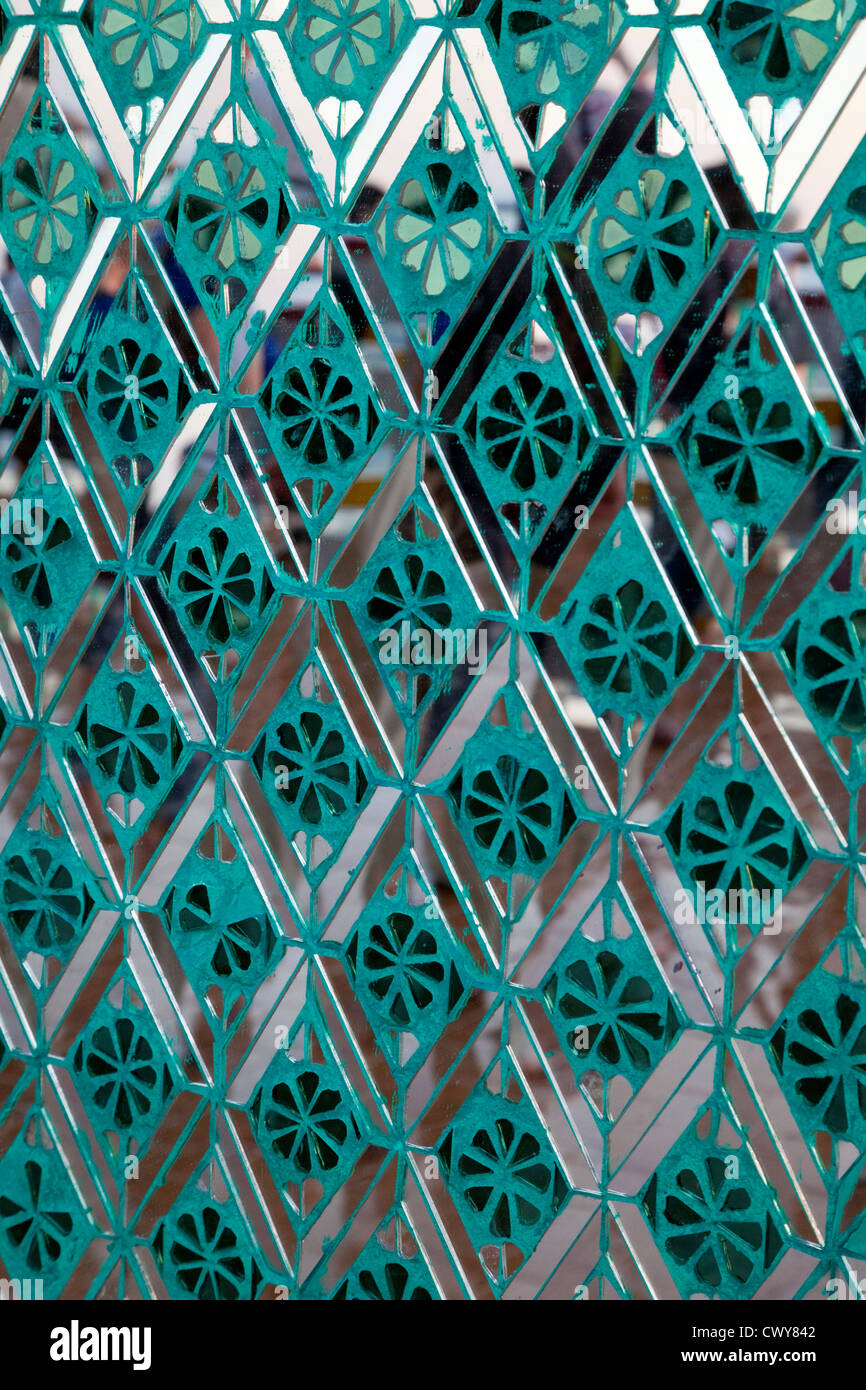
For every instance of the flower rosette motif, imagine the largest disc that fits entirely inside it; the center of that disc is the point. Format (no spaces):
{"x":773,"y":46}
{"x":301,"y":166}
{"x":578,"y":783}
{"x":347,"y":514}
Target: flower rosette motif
{"x":415,"y":593}
{"x":824,"y":654}
{"x":203,"y":1251}
{"x":748,"y":444}
{"x":433,"y":237}
{"x":321,"y":413}
{"x":238,"y":944}
{"x":631,"y":640}
{"x":48,"y":894}
{"x":736,"y":833}
{"x":129,"y":738}
{"x":402,"y":964}
{"x":643,"y":240}
{"x":220,"y":589}
{"x":611,"y":1008}
{"x":623,"y":638}
{"x":318,"y":780}
{"x":220,"y":925}
{"x":502,"y":1172}
{"x":439,"y":228}
{"x":548,"y":52}
{"x":44,"y":575}
{"x":143,"y":46}
{"x":850,"y":259}
{"x":528,"y":433}
{"x":230,"y":209}
{"x":310,"y":766}
{"x":649,"y":237}
{"x":779,"y":47}
{"x":308,"y":763}
{"x":122,"y":1072}
{"x":321,"y":417}
{"x":129,"y":747}
{"x":622,"y":635}
{"x":132,"y":387}
{"x":306,"y":1123}
{"x":30,"y":573}
{"x":547,"y":42}
{"x":47,"y":202}
{"x":818,"y":1050}
{"x":402,"y":968}
{"x":43,"y":1225}
{"x":345,"y":48}
{"x":732,"y":837}
{"x":513,"y":808}
{"x":715,"y":1221}
{"x":130,"y":383}
{"x":526,"y":430}
{"x":416,"y":614}
{"x":509,"y":806}
{"x":838,"y":246}
{"x":44,"y":203}
{"x":38,"y":1232}
{"x":381,"y":1275}
{"x":218,"y":581}
{"x":738,"y":441}
{"x":344,"y":34}
{"x":228,"y":215}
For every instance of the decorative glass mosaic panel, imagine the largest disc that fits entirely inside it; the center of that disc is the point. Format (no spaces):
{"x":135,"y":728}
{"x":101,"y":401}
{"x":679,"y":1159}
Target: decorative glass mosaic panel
{"x":432,"y":648}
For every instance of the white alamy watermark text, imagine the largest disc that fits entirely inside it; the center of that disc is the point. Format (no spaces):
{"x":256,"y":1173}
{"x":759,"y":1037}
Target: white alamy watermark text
{"x":758,"y":908}
{"x":77,"y":1343}
{"x":408,"y":645}
{"x":22,"y":517}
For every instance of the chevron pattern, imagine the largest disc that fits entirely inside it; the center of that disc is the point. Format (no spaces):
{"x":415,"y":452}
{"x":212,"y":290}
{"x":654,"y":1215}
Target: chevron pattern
{"x":432,"y":649}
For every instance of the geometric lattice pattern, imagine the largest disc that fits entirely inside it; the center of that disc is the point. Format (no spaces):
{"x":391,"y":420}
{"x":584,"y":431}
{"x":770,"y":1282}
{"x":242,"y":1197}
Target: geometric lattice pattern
{"x":432,"y":648}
